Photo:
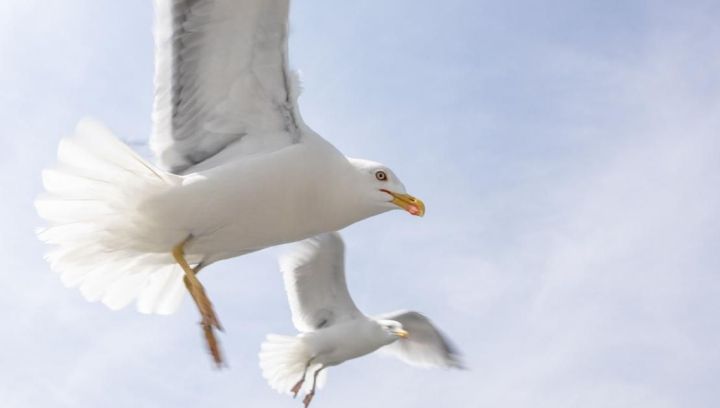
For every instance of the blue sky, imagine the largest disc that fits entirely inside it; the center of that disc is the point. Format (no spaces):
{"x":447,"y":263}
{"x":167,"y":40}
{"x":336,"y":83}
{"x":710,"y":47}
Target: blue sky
{"x":568,"y":153}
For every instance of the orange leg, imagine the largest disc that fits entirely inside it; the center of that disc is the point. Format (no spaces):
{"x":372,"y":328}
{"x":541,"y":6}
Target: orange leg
{"x":209,"y":320}
{"x":311,"y":394}
{"x":296,"y":388}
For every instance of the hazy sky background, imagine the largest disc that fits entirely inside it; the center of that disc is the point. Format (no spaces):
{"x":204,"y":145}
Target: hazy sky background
{"x":568,"y":153}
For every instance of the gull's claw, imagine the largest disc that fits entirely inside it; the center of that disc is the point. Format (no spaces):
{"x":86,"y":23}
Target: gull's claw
{"x":212,"y":343}
{"x":308,"y":398}
{"x":296,"y":388}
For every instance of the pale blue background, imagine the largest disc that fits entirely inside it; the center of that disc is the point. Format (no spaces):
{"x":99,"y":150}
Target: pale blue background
{"x":568,"y":153}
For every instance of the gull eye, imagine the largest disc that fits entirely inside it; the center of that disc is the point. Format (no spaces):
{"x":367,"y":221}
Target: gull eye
{"x":381,"y":175}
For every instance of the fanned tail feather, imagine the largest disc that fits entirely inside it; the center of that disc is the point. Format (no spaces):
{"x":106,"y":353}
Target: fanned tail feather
{"x":283,"y":360}
{"x":102,"y":244}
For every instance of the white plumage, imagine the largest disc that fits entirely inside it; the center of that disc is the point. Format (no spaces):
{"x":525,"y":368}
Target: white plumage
{"x":238,"y":168}
{"x":283,"y":359}
{"x":221,"y":77}
{"x":333,"y":330}
{"x":103,"y":244}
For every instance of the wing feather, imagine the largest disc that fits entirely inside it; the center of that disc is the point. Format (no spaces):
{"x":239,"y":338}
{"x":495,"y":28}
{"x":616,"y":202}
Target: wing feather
{"x":426,"y":346}
{"x":314,"y":276}
{"x":221,"y":77}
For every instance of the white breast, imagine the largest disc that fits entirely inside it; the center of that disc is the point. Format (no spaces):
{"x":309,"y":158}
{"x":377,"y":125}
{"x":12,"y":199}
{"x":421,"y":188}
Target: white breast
{"x":347,"y":340}
{"x":258,"y":202}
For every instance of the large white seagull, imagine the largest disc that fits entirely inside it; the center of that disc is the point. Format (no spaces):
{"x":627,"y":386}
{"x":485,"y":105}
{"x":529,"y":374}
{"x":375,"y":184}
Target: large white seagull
{"x":237,"y":168}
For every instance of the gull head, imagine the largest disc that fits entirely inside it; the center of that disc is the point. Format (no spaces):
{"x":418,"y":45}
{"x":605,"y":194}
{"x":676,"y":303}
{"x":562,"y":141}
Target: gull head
{"x":384,"y":188}
{"x":393,"y":330}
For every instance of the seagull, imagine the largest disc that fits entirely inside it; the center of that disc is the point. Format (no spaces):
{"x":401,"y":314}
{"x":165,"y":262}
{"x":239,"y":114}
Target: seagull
{"x":237,"y":169}
{"x":333,"y":330}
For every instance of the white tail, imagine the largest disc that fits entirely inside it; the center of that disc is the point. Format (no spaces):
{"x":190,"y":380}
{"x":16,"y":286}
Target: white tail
{"x":283,"y":360}
{"x":99,"y":236}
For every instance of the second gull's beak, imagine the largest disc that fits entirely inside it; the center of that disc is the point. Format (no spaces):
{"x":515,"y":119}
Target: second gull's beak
{"x":403,"y":334}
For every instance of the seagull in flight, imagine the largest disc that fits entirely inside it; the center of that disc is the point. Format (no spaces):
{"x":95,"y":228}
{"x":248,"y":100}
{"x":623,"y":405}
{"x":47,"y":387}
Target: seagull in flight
{"x":237,"y":169}
{"x":333,"y":330}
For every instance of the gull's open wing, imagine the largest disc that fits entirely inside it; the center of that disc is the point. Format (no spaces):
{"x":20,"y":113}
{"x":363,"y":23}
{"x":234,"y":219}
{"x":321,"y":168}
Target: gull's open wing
{"x":221,"y":79}
{"x":425,"y":345}
{"x":314,"y":275}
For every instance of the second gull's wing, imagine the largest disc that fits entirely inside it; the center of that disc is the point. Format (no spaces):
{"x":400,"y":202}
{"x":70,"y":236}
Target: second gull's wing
{"x":425,"y":345}
{"x":314,"y":276}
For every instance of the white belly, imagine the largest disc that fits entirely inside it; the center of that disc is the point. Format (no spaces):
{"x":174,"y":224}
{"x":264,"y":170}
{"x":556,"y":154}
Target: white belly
{"x":346,"y":341}
{"x":252,"y":204}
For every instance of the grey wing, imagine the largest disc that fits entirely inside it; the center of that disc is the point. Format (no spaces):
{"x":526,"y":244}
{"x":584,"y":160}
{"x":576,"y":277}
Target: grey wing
{"x":221,"y":79}
{"x":425,"y":346}
{"x":314,"y":276}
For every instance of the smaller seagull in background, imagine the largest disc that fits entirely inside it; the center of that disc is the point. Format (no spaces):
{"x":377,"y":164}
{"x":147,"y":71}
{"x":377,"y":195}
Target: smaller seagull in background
{"x":333,"y":330}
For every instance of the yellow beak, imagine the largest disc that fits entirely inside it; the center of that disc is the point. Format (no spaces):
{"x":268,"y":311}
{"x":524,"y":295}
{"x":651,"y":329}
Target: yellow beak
{"x":403,"y":334}
{"x":413,"y":205}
